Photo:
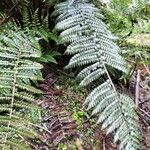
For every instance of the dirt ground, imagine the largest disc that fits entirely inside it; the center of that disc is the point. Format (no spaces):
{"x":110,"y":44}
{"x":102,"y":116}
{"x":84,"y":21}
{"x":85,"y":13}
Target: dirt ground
{"x":70,"y":127}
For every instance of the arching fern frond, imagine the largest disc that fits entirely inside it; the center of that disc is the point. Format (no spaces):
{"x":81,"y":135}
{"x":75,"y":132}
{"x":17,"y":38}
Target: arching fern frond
{"x":17,"y":70}
{"x":93,"y":46}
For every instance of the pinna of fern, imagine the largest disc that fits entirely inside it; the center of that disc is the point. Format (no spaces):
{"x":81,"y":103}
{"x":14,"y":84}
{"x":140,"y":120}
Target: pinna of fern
{"x":17,"y":70}
{"x":92,"y":46}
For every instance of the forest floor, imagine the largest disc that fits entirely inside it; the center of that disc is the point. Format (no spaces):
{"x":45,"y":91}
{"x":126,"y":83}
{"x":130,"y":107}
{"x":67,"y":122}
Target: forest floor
{"x":71,"y":127}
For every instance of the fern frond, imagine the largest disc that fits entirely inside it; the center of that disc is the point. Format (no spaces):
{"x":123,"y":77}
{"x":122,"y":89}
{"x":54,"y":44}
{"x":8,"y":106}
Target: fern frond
{"x":92,"y":46}
{"x":29,"y":88}
{"x":19,"y":131}
{"x":26,"y":105}
{"x":17,"y":94}
{"x":18,"y":144}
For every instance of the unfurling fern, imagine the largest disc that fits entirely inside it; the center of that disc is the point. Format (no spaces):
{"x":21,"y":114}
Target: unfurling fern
{"x":17,"y":70}
{"x":92,"y":45}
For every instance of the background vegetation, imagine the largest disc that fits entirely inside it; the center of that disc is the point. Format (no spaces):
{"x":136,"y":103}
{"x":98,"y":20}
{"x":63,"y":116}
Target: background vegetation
{"x":42,"y":105}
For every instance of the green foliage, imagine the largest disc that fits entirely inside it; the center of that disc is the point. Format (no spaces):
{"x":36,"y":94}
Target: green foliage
{"x":139,"y":9}
{"x":120,"y":5}
{"x":34,"y":18}
{"x":92,"y":46}
{"x":123,"y":16}
{"x":43,"y":34}
{"x":117,"y":23}
{"x":77,"y":116}
{"x":53,"y":2}
{"x":49,"y":57}
{"x":62,"y":147}
{"x":17,"y":70}
{"x":24,"y":12}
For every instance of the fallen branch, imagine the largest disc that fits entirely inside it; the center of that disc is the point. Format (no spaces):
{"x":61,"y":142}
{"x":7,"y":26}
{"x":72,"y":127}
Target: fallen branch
{"x":137,"y":89}
{"x":146,"y":113}
{"x":7,"y":17}
{"x":79,"y":144}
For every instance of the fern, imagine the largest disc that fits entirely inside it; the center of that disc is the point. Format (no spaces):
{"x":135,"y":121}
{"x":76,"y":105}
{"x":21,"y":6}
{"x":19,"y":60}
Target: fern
{"x":16,"y":92}
{"x":31,"y":19}
{"x":93,"y":46}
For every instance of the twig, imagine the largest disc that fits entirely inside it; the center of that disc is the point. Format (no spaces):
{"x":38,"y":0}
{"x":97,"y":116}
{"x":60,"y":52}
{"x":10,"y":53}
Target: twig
{"x":40,"y":127}
{"x":134,"y":68}
{"x":144,"y":101}
{"x":29,"y":143}
{"x":131,"y":61}
{"x":8,"y":15}
{"x":143,"y":111}
{"x":79,"y":144}
{"x":104,"y":147}
{"x":146,"y":68}
{"x":137,"y":89}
